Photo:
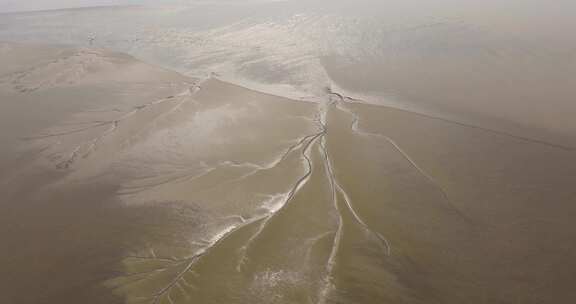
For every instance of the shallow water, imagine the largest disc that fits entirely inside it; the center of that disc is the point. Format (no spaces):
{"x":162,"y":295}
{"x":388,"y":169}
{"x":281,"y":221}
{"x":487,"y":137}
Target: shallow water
{"x":497,"y":63}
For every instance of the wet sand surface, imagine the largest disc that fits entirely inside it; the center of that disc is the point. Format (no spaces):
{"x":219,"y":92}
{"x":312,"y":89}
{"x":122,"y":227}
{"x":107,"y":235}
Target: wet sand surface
{"x":123,"y":182}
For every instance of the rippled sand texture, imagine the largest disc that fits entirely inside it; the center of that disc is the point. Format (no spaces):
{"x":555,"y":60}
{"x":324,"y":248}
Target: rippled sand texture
{"x":126,"y":183}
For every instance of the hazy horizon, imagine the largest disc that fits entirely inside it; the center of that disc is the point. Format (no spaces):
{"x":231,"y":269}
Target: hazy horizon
{"x":7,"y":6}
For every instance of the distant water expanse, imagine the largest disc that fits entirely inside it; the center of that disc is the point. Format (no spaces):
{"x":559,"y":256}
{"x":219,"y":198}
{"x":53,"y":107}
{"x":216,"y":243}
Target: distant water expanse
{"x":307,"y":45}
{"x":475,"y":60}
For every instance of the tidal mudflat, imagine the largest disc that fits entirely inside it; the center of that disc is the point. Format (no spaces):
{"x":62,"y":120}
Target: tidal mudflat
{"x":123,"y":182}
